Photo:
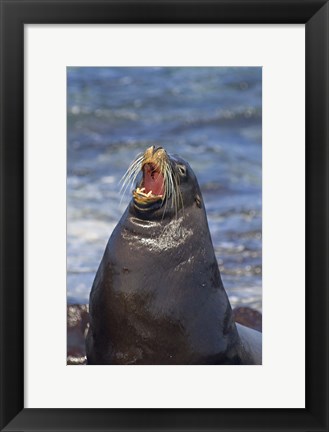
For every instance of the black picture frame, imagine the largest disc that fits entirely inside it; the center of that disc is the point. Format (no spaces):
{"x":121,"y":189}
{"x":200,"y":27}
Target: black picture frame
{"x":14,"y":14}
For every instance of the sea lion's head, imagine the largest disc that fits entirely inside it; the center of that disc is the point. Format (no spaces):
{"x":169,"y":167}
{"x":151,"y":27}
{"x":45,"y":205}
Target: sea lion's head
{"x":168,"y":184}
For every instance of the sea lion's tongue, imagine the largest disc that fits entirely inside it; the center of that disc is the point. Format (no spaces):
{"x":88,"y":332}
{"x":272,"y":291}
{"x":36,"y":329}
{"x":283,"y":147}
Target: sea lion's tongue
{"x":153,"y":180}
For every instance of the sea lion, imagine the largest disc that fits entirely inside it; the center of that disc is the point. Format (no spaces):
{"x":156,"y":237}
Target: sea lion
{"x":158,"y":297}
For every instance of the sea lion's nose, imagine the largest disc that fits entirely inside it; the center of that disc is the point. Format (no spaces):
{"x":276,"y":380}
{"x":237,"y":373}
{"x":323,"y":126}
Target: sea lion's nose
{"x":150,"y":152}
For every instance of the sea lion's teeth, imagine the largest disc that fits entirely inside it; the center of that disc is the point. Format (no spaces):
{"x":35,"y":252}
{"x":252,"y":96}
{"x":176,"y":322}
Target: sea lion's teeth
{"x":149,"y":194}
{"x":140,"y":192}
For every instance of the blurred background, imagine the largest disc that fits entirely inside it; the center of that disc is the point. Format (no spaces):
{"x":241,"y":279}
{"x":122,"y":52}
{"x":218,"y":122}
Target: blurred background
{"x":212,"y":117}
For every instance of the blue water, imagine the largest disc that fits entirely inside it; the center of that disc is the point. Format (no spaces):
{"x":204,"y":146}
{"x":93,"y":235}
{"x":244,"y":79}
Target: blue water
{"x":212,"y":117}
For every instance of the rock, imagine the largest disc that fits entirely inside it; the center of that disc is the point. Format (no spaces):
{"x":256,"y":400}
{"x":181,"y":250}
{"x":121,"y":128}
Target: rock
{"x":248,"y":317}
{"x":77,"y":325}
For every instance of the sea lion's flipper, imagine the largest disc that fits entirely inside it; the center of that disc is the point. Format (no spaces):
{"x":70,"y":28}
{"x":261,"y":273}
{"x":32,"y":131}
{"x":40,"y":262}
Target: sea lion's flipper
{"x":252,"y":342}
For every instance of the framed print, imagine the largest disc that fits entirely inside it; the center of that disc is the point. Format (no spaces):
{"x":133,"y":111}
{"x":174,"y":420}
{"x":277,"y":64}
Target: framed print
{"x":201,"y":73}
{"x":188,"y":102}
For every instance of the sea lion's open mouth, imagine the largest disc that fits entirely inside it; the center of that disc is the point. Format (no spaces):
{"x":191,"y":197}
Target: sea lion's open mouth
{"x":160,"y":185}
{"x":153,"y":180}
{"x":152,"y":187}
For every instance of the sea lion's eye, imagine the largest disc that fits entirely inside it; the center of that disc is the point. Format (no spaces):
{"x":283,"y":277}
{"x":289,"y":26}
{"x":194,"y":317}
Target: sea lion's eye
{"x":198,"y":201}
{"x":181,"y":170}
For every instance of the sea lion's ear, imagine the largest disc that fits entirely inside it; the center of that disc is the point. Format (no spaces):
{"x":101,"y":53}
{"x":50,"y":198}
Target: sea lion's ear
{"x":181,"y":170}
{"x":198,"y":200}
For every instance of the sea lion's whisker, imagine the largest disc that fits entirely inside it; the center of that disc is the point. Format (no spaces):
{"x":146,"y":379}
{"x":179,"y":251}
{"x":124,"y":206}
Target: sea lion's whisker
{"x":166,"y":193}
{"x":179,"y":193}
{"x":135,"y":164}
{"x":129,"y":180}
{"x":171,"y":187}
{"x":131,"y":174}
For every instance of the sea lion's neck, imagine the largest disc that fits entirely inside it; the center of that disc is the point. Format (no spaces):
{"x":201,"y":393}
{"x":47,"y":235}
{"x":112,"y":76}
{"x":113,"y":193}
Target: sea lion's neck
{"x":182,"y":245}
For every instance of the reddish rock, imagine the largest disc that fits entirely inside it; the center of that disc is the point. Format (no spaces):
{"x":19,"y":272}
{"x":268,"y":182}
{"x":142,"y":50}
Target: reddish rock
{"x":248,"y":317}
{"x":77,"y":325}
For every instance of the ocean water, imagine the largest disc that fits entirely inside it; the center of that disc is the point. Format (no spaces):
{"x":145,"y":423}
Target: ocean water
{"x":212,"y":117}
